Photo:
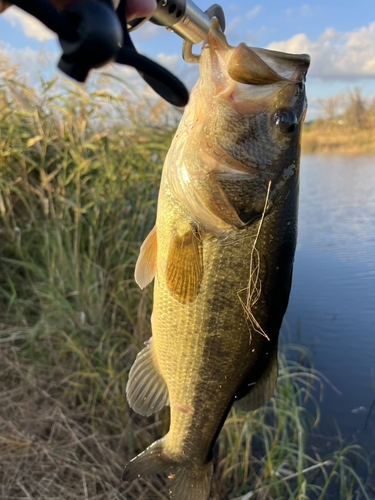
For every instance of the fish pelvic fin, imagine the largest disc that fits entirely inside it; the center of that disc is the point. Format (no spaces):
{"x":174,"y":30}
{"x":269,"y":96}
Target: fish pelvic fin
{"x":145,"y":268}
{"x":146,"y":390}
{"x":186,"y":482}
{"x":262,"y":391}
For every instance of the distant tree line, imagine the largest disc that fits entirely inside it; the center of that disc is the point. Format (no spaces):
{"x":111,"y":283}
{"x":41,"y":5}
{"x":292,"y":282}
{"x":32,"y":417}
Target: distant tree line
{"x":351,"y":109}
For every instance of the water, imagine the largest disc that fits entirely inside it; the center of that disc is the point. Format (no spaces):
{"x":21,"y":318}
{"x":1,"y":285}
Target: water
{"x":332,"y":304}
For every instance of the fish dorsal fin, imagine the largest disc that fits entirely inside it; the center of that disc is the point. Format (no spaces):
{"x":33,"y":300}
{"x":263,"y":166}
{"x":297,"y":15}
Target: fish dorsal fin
{"x":185,"y":265}
{"x":146,"y":390}
{"x":245,"y":66}
{"x":261,"y":392}
{"x":145,"y":268}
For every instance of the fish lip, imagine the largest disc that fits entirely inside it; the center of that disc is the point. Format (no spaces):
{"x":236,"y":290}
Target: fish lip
{"x":238,"y":72}
{"x":260,"y":65}
{"x":295,"y":71}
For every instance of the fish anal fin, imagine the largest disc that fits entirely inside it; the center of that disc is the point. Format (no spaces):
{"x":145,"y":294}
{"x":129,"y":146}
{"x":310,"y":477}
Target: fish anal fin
{"x":145,"y":268}
{"x":146,"y":390}
{"x":147,"y":463}
{"x":262,"y":391}
{"x":245,"y":66}
{"x":185,"y":265}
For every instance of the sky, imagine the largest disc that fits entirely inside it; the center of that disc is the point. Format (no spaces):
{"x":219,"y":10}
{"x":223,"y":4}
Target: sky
{"x":338,"y":35}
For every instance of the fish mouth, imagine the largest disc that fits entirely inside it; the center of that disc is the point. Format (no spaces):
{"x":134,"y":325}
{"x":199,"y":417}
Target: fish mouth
{"x":257,"y":91}
{"x":253,"y":65}
{"x":257,"y":79}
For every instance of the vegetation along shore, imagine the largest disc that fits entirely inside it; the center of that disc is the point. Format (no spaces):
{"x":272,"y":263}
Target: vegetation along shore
{"x":347,"y":127}
{"x":79,"y":177}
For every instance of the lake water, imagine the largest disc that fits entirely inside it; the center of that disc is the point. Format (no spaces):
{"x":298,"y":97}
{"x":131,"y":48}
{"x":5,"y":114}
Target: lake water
{"x":332,"y":303}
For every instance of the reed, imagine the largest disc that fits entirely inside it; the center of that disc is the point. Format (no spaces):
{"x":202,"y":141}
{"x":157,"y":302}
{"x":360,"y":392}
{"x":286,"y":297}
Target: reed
{"x":331,"y":138}
{"x":346,"y":126}
{"x":79,"y":176}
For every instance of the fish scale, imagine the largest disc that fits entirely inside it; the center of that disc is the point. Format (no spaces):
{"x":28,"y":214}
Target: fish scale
{"x":201,"y":333}
{"x":239,"y":146}
{"x":221,"y":253}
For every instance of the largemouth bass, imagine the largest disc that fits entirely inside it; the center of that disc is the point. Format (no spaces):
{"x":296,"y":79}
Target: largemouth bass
{"x":221,"y":253}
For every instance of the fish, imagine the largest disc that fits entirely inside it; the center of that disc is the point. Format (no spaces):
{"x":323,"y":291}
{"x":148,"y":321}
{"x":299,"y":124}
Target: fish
{"x":221,"y":256}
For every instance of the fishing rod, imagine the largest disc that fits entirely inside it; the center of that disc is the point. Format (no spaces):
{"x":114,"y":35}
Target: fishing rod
{"x":93,"y":34}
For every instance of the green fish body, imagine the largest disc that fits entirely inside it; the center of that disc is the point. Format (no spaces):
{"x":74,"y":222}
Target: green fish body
{"x":221,"y":254}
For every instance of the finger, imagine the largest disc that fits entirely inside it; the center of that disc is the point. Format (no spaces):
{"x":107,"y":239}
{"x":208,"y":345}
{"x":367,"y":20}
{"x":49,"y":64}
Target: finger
{"x":139,"y":8}
{"x":3,"y":6}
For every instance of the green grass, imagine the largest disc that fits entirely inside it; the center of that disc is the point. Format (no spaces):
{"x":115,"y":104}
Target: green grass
{"x":78,"y":185}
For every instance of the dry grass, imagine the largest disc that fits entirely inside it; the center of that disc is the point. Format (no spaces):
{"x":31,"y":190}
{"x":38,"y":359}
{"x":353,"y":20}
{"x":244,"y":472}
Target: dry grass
{"x":324,"y":138}
{"x":55,"y":443}
{"x":53,"y":448}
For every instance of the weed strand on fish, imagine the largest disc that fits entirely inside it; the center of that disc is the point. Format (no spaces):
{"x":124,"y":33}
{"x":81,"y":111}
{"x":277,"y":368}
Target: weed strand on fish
{"x":254,"y":287}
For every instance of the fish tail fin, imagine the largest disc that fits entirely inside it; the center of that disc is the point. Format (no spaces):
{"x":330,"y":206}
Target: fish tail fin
{"x":191,"y":483}
{"x":186,"y":483}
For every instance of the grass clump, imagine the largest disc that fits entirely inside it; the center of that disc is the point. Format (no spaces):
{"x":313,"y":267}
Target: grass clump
{"x":268,"y":454}
{"x":346,"y":127}
{"x":78,"y":186}
{"x":332,"y":138}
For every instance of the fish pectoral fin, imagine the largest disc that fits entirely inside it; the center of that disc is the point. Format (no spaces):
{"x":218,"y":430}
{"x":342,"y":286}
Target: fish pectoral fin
{"x":146,"y":390}
{"x":262,"y":391}
{"x":185,"y":265}
{"x":145,"y":268}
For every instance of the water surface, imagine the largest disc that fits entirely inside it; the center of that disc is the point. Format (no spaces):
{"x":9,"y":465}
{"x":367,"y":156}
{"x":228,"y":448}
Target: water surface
{"x":332,"y":304}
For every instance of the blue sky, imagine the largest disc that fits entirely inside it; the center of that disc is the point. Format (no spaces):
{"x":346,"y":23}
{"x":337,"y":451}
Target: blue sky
{"x":339,"y":36}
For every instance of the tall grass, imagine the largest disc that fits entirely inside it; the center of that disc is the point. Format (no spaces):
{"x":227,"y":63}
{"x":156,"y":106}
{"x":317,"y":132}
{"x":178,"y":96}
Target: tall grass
{"x":331,"y":138}
{"x":78,"y":184}
{"x":346,"y":126}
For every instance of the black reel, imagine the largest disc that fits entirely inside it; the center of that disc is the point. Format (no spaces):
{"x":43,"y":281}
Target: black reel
{"x":92,"y":34}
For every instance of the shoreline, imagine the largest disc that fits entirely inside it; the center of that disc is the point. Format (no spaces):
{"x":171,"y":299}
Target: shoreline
{"x":333,"y":139}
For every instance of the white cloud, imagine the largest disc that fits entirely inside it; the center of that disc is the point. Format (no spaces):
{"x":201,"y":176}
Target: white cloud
{"x":335,"y":55}
{"x":253,"y":12}
{"x":233,"y":27}
{"x":306,"y":10}
{"x":170,"y":62}
{"x":31,"y":63}
{"x":146,"y":32}
{"x":31,"y":27}
{"x":188,"y":73}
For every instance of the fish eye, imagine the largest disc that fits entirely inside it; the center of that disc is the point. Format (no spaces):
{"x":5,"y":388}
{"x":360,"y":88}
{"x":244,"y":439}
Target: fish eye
{"x":285,"y":120}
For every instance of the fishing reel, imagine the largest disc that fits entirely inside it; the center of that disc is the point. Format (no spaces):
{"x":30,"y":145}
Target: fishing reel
{"x":92,"y":34}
